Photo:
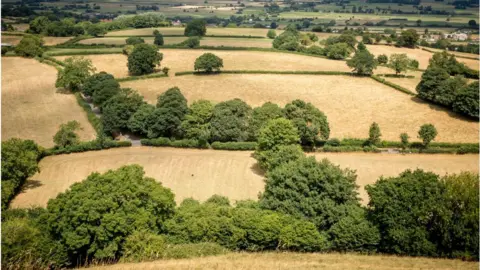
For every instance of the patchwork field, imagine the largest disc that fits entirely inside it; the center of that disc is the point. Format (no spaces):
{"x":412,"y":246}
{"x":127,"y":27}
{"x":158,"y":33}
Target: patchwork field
{"x":13,"y":40}
{"x":202,"y":173}
{"x":420,"y":55}
{"x":350,"y":103}
{"x":286,"y":261}
{"x":207,"y":41}
{"x":183,"y":60}
{"x":31,"y":106}
{"x":409,"y":83}
{"x":48,"y":41}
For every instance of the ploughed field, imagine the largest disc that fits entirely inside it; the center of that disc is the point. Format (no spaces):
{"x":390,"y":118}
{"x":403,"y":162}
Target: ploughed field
{"x":350,"y":103}
{"x":203,"y":173}
{"x":290,"y":260}
{"x":32,"y":108}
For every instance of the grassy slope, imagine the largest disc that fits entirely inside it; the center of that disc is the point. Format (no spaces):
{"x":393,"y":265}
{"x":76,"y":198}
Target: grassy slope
{"x":332,"y":261}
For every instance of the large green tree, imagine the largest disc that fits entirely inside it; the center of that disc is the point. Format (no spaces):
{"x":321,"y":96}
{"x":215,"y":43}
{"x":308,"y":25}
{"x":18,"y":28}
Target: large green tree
{"x":143,"y":59}
{"x":208,"y":62}
{"x":95,"y":82}
{"x":197,"y":27}
{"x":75,"y":73}
{"x":104,"y":90}
{"x":399,"y":62}
{"x":467,"y":99}
{"x":29,"y":46}
{"x":196,"y":124}
{"x":117,"y":111}
{"x":362,"y":62}
{"x":138,"y":122}
{"x":230,"y":121}
{"x":408,"y":38}
{"x":260,"y":116}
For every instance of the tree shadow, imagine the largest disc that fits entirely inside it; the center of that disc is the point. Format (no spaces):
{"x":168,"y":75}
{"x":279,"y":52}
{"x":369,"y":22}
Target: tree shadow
{"x":441,"y":108}
{"x":257,"y":170}
{"x":63,"y":91}
{"x":31,"y":184}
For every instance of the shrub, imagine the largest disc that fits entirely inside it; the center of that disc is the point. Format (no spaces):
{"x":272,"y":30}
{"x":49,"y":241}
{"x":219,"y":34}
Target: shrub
{"x":374,"y":134}
{"x":338,"y":51}
{"x":302,"y":236}
{"x":315,"y":50}
{"x":362,"y":62}
{"x":75,"y":73}
{"x":404,"y":140}
{"x":29,"y":46}
{"x":66,"y":136}
{"x":143,"y":246}
{"x":134,"y":40}
{"x":333,"y":142}
{"x":85,"y":219}
{"x":467,"y":100}
{"x":128,"y":49}
{"x":165,"y":70}
{"x":427,"y":133}
{"x":143,"y":59}
{"x":218,"y":200}
{"x":288,"y":40}
{"x":277,"y":132}
{"x":208,"y":62}
{"x":158,"y":39}
{"x":399,"y":62}
{"x":185,"y":251}
{"x":196,"y":27}
{"x":382,"y":59}
{"x":271,"y":34}
{"x":191,"y":42}
{"x":408,"y":38}
{"x":312,"y":124}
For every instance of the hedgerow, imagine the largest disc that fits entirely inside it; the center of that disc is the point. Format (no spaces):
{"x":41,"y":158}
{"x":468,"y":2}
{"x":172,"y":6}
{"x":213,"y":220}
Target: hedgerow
{"x":181,"y":73}
{"x":234,"y":145}
{"x":395,"y":86}
{"x":141,"y":77}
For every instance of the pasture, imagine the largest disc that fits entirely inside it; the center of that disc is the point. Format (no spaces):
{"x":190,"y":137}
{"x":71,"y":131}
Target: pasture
{"x":202,"y":173}
{"x":31,"y":106}
{"x":289,"y":260}
{"x":350,"y":103}
{"x":48,"y":41}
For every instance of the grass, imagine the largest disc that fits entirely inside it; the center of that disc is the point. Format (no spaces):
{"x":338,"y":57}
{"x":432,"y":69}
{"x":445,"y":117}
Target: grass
{"x":32,"y":108}
{"x":350,"y":103}
{"x":202,"y":173}
{"x":290,"y":260}
{"x":180,"y":32}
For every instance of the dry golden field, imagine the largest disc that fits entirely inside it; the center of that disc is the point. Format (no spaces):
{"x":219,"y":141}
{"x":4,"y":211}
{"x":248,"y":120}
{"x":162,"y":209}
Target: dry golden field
{"x":48,"y":41}
{"x":289,"y":260}
{"x":409,"y":83}
{"x":202,"y":173}
{"x":207,"y":41}
{"x":13,"y":40}
{"x":471,"y":55}
{"x":350,"y":103}
{"x":31,"y":107}
{"x":420,"y":55}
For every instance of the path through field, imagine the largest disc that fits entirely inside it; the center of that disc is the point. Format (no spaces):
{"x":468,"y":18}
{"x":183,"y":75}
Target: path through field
{"x":203,"y":173}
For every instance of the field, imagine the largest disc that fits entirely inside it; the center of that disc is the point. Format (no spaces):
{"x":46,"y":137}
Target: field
{"x":409,"y":83}
{"x":31,"y":106}
{"x":350,"y":103}
{"x":180,"y":31}
{"x":284,"y":261}
{"x":202,"y":173}
{"x":48,"y":41}
{"x":420,"y":55}
{"x":206,"y":41}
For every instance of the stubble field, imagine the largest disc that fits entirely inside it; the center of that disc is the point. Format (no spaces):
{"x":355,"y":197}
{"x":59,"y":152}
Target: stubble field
{"x":202,"y":173}
{"x":31,"y":106}
{"x":350,"y":103}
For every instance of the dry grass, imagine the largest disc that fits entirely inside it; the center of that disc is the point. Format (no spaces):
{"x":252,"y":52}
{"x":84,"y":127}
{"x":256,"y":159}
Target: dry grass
{"x":13,"y":40}
{"x":115,"y":64}
{"x":280,"y":261}
{"x":121,"y":41}
{"x":31,"y":107}
{"x":471,"y":55}
{"x":49,"y":41}
{"x":409,"y":83}
{"x":22,"y":27}
{"x":202,"y":173}
{"x":420,"y":55}
{"x":350,"y":103}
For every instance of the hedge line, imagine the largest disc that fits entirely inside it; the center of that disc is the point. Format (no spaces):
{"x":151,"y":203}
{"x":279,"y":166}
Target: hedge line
{"x":395,"y":86}
{"x":186,"y":143}
{"x":458,"y":56}
{"x":181,"y":73}
{"x":48,"y":62}
{"x":234,"y":145}
{"x":58,"y":62}
{"x":94,"y":145}
{"x":143,"y":77}
{"x":92,"y":117}
{"x":397,"y":76}
{"x":215,"y":36}
{"x":82,"y":52}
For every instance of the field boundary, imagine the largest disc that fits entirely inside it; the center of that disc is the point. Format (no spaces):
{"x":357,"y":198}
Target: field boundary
{"x":207,"y":36}
{"x":142,"y":77}
{"x":457,"y":56}
{"x":199,"y":73}
{"x":392,"y":85}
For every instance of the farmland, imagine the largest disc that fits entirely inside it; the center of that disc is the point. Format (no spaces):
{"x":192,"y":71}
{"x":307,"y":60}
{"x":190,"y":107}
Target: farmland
{"x":203,"y":173}
{"x":351,"y":104}
{"x":31,"y":106}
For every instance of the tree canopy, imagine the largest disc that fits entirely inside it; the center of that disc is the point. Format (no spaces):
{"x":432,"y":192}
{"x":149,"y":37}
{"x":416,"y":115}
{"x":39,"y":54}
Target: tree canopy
{"x":196,"y":27}
{"x":208,"y":62}
{"x":75,"y":73}
{"x":230,"y":121}
{"x":143,"y":59}
{"x":66,"y":135}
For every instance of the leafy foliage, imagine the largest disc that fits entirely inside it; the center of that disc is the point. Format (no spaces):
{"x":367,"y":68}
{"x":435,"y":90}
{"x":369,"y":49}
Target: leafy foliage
{"x":66,"y":136}
{"x":399,"y":62}
{"x":118,"y":109}
{"x":427,"y":133}
{"x":208,"y":62}
{"x":138,"y":121}
{"x":338,"y":51}
{"x":362,"y":62}
{"x":75,"y":73}
{"x":467,"y":99}
{"x":261,"y":115}
{"x":374,"y":134}
{"x":95,"y":82}
{"x":134,"y":40}
{"x":230,"y":121}
{"x":197,"y":122}
{"x":277,"y":132}
{"x":197,"y":27}
{"x":382,"y":59}
{"x":143,"y":59}
{"x":29,"y":46}
{"x":191,"y":42}
{"x":104,"y":90}
{"x":408,"y":38}
{"x":271,"y":34}
{"x":158,"y":39}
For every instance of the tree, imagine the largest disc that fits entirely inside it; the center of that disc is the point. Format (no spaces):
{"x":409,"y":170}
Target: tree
{"x":427,"y":133}
{"x":280,"y":154}
{"x":191,"y":42}
{"x":230,"y":121}
{"x":66,"y":135}
{"x":361,"y":46}
{"x":366,"y":39}
{"x":338,"y":51}
{"x":260,"y":116}
{"x":472,"y":23}
{"x":374,"y":134}
{"x":404,"y":140}
{"x":143,"y":59}
{"x":39,"y":25}
{"x":158,"y":39}
{"x":404,"y":208}
{"x":104,"y":90}
{"x":197,"y":27}
{"x":447,"y":91}
{"x":413,"y":64}
{"x":467,"y":100}
{"x":399,"y":62}
{"x":271,"y":34}
{"x":93,"y":218}
{"x":29,"y":46}
{"x":134,"y":40}
{"x":408,"y":38}
{"x":312,"y":124}
{"x":208,"y":62}
{"x":96,"y":30}
{"x":74,"y":73}
{"x":138,"y":121}
{"x":277,"y":132}
{"x":318,"y":191}
{"x":288,"y":40}
{"x":196,"y":124}
{"x":382,"y":59}
{"x":431,"y":81}
{"x":117,"y":110}
{"x":95,"y":82}
{"x":167,"y":118}
{"x":363,"y":62}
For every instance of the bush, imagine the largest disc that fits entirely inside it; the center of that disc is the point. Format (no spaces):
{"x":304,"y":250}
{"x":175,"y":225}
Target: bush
{"x":315,"y":50}
{"x":271,"y":34}
{"x":29,"y":46}
{"x":66,"y":136}
{"x":94,"y":82}
{"x":338,"y":51}
{"x":282,"y":154}
{"x":277,"y":132}
{"x":333,"y":142}
{"x":99,"y":204}
{"x":128,"y":49}
{"x":143,"y":246}
{"x":218,"y":200}
{"x":382,"y":59}
{"x":302,"y":236}
{"x":467,"y":100}
{"x":185,"y":251}
{"x":134,"y":40}
{"x":234,"y":146}
{"x":143,"y":59}
{"x":374,"y":134}
{"x":260,"y":116}
{"x":208,"y":62}
{"x":158,"y":39}
{"x":191,"y":42}
{"x":196,"y":27}
{"x":427,"y":133}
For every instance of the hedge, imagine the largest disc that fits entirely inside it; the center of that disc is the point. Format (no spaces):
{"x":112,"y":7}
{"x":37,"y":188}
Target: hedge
{"x":181,"y":73}
{"x":142,"y":77}
{"x":237,"y":146}
{"x":82,"y":52}
{"x":397,"y":76}
{"x":338,"y":149}
{"x":395,"y":86}
{"x":457,"y":56}
{"x":186,"y":143}
{"x":92,"y":117}
{"x":214,"y":36}
{"x":94,"y":145}
{"x":48,"y":62}
{"x":58,"y":62}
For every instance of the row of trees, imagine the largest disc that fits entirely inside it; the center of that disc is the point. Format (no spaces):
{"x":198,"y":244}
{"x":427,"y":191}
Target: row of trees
{"x":438,"y":85}
{"x":307,"y":206}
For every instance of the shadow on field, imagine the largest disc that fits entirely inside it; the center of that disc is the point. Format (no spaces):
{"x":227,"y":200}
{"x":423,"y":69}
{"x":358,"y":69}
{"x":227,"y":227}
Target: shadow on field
{"x":31,"y":184}
{"x":441,"y":108}
{"x":257,"y":170}
{"x":63,"y":91}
